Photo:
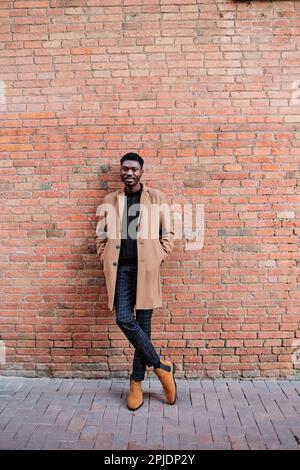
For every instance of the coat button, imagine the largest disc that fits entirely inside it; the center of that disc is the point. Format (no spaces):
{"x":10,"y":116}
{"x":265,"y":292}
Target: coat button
{"x":118,"y":246}
{"x":114,"y":263}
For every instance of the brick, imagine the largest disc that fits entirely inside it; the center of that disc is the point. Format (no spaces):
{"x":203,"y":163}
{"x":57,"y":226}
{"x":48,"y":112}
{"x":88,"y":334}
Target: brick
{"x":217,"y":133}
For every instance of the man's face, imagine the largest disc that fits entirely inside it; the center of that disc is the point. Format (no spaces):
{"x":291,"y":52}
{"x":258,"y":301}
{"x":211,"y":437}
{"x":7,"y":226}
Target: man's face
{"x":131,"y":172}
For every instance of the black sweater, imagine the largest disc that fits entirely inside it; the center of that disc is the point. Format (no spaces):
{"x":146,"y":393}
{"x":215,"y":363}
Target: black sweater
{"x":128,"y":251}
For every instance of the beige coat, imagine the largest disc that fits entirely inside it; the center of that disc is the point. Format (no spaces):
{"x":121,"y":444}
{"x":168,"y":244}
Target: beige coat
{"x":154,"y":221}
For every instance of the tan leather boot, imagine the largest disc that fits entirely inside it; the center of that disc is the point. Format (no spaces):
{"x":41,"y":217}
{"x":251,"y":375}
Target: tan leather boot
{"x":135,"y":395}
{"x":167,"y":377}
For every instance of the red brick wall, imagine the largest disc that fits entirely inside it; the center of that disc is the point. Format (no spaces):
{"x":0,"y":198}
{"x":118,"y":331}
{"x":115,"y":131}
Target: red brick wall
{"x":206,"y":91}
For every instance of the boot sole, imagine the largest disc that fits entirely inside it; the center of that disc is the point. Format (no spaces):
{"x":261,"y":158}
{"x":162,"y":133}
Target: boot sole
{"x":173,"y":374}
{"x":133,"y":409}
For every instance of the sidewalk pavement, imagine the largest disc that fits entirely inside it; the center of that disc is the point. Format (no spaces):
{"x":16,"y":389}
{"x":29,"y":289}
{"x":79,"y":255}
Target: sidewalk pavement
{"x":42,"y":413}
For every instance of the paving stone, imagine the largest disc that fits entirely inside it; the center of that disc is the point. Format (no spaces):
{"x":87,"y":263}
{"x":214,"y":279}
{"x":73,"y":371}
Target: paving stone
{"x":76,"y":445}
{"x":171,"y":441}
{"x":51,"y":444}
{"x":76,"y":424}
{"x":46,"y":413}
{"x":136,"y":444}
{"x":104,"y":441}
{"x":89,"y":433}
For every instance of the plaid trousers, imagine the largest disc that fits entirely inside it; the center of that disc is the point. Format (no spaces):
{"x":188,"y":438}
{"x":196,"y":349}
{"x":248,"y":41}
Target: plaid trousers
{"x":137,"y":330}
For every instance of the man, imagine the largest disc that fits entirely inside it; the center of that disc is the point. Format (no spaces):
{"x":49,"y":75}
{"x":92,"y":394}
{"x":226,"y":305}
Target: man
{"x":133,"y":238}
